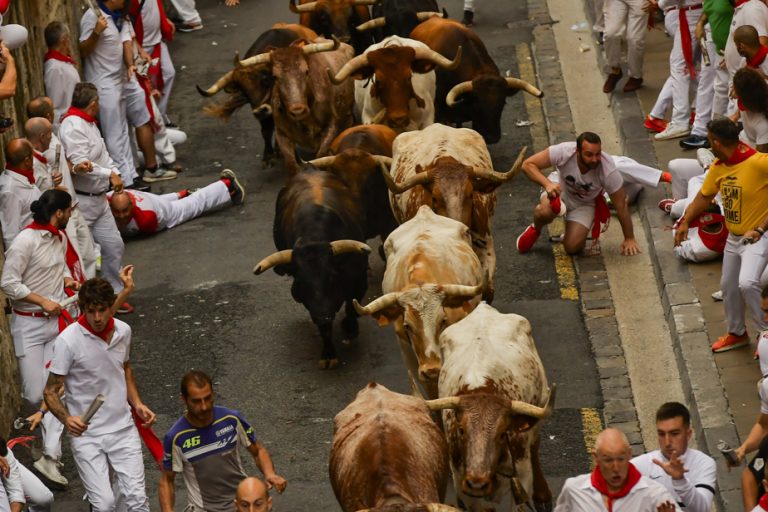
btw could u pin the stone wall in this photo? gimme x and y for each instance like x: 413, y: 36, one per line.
x: 35, y: 15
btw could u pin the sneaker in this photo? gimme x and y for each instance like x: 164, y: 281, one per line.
x: 469, y: 18
x: 717, y: 296
x: 611, y: 81
x: 729, y: 342
x: 673, y: 131
x: 236, y: 189
x: 140, y: 185
x: 655, y: 125
x: 705, y: 157
x: 189, y: 27
x: 694, y: 142
x: 159, y: 174
x: 666, y: 177
x: 527, y: 239
x: 600, y: 38
x: 633, y: 84
x: 665, y: 205
x: 125, y: 309
x: 49, y: 468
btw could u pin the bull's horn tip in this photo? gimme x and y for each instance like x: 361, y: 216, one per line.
x: 257, y: 270
x: 202, y: 91
x: 541, y: 94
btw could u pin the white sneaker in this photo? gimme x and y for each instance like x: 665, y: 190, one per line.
x: 705, y: 157
x: 673, y: 131
x: 160, y: 174
x: 717, y: 296
x: 49, y: 468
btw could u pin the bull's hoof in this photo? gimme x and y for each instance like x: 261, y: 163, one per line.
x: 328, y: 364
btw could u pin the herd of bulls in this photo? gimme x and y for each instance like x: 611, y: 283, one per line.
x: 412, y: 176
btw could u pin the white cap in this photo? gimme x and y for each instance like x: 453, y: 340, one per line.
x: 14, y: 36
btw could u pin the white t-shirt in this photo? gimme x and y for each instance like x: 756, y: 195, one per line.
x: 150, y: 18
x: 578, y: 495
x: 578, y: 187
x: 755, y: 130
x: 82, y: 141
x: 60, y: 80
x: 105, y: 66
x: 696, y: 490
x: 754, y: 13
x: 90, y: 367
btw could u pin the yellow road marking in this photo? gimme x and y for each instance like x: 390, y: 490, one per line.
x: 591, y: 425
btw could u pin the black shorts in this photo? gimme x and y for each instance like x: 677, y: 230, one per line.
x: 757, y: 465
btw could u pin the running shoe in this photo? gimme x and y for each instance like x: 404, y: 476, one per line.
x: 526, y: 240
x: 729, y: 342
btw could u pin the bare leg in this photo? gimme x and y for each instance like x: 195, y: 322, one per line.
x: 542, y: 213
x: 575, y: 237
x: 145, y: 138
x: 748, y: 489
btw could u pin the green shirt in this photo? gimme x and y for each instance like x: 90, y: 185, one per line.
x: 719, y: 14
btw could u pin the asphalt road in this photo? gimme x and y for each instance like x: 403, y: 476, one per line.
x: 199, y: 306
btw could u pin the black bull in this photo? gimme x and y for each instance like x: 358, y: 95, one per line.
x: 319, y: 234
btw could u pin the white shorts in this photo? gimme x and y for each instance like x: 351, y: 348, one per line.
x: 136, y: 108
x: 579, y: 212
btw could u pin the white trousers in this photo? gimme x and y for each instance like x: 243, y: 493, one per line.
x: 682, y: 170
x: 80, y: 235
x: 97, y: 215
x: 206, y: 199
x: 705, y: 91
x: 636, y: 176
x: 33, y: 340
x: 740, y: 282
x: 186, y: 10
x: 469, y: 5
x: 599, y: 25
x: 39, y: 497
x: 721, y: 101
x: 169, y: 75
x: 625, y: 18
x: 121, y: 450
x: 114, y: 128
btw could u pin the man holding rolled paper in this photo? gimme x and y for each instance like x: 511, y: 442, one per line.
x: 92, y: 357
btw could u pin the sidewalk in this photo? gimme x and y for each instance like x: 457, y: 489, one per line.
x: 719, y: 388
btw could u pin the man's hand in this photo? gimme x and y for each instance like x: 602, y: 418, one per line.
x: 131, y: 71
x: 681, y: 233
x: 667, y: 506
x: 146, y: 415
x: 674, y: 468
x: 57, y: 179
x: 35, y: 420
x: 75, y: 426
x: 629, y: 247
x: 650, y: 6
x: 552, y: 190
x: 753, y: 235
x: 126, y: 277
x: 51, y: 308
x: 5, y: 53
x: 699, y: 31
x: 101, y: 25
x: 117, y: 182
x: 71, y: 283
x: 231, y: 3
x: 83, y: 167
x: 5, y: 469
x: 276, y: 481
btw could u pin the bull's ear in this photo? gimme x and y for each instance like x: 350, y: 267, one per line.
x: 458, y: 301
x: 520, y: 423
x: 387, y: 315
x: 485, y: 186
x: 423, y: 66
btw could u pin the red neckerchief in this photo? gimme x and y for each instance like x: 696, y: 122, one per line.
x: 146, y: 86
x: 74, y: 111
x: 56, y: 55
x: 40, y: 158
x: 45, y: 227
x: 27, y: 173
x: 151, y: 441
x: 741, y: 106
x: 758, y: 57
x: 739, y: 3
x: 599, y: 483
x: 763, y: 501
x: 685, y: 39
x: 741, y: 153
x: 134, y: 9
x: 602, y: 216
x: 103, y: 334
x: 155, y: 73
x: 71, y: 256
x: 146, y: 220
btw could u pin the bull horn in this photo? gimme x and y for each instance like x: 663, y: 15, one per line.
x: 345, y: 246
x: 298, y: 9
x: 440, y: 60
x: 421, y: 178
x: 501, y: 177
x: 425, y: 15
x: 347, y: 69
x: 371, y: 24
x: 439, y: 507
x: 449, y: 402
x: 532, y: 410
x: 262, y: 58
x: 219, y: 85
x: 458, y: 90
x: 385, y: 301
x: 415, y: 391
x: 328, y: 46
x: 236, y: 61
x: 262, y: 110
x: 454, y: 290
x: 325, y: 161
x: 516, y: 83
x: 277, y: 258
x: 382, y: 160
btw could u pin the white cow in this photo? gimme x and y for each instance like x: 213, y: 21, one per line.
x: 395, y: 83
x: 433, y: 279
x: 493, y: 392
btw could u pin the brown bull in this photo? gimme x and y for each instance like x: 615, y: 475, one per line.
x: 309, y: 111
x: 388, y: 455
x: 336, y: 18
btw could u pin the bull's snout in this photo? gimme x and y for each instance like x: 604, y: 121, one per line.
x: 477, y: 485
x: 429, y: 371
x: 399, y: 119
x: 298, y: 112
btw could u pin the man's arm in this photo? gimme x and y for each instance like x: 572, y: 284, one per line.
x: 695, y: 208
x: 758, y: 432
x: 144, y: 412
x: 532, y: 167
x: 697, y: 496
x: 13, y: 485
x: 16, y: 261
x: 629, y: 245
x: 126, y: 276
x: 8, y: 83
x: 264, y: 462
x: 54, y: 388
x: 167, y: 491
x: 88, y: 45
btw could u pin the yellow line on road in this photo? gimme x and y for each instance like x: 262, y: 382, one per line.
x: 566, y: 273
x: 591, y: 425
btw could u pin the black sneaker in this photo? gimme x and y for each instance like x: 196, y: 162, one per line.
x: 694, y: 142
x: 469, y: 18
x: 236, y: 189
x: 140, y: 185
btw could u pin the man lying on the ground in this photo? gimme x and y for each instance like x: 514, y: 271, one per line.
x: 144, y: 213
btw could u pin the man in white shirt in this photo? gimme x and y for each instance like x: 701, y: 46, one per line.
x: 39, y: 132
x: 92, y: 356
x: 17, y: 189
x: 190, y: 18
x: 750, y: 12
x: 625, y: 19
x: 94, y: 172
x: 615, y: 484
x: 60, y: 69
x: 35, y: 274
x: 583, y: 173
x: 687, y: 474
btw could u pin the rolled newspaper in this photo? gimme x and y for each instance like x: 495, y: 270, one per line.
x: 69, y: 301
x: 95, y: 405
x: 704, y: 52
x: 92, y: 6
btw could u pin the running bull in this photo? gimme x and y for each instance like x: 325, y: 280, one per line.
x: 336, y: 18
x: 252, y: 85
x: 318, y: 233
x: 399, y: 17
x: 475, y: 91
x: 494, y: 394
x: 450, y: 170
x: 388, y: 455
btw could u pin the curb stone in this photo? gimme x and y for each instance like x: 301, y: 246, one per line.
x: 710, y: 413
x: 595, y: 296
